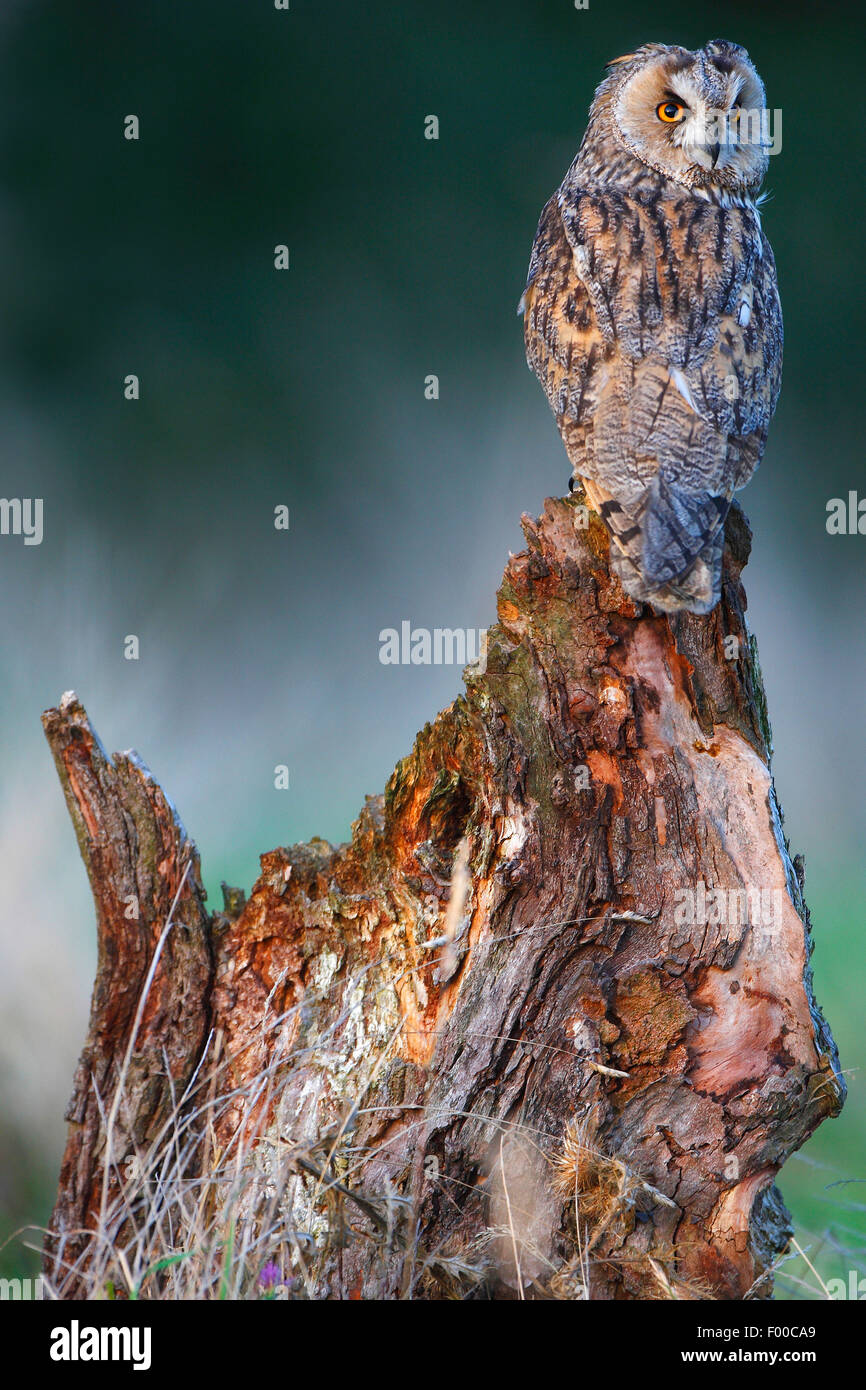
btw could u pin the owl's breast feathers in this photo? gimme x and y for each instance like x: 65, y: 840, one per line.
x: 654, y: 326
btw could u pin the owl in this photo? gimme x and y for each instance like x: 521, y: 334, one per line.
x: 652, y: 316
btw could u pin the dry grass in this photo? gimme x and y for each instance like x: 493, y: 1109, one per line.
x: 606, y: 1192
x: 275, y: 1211
x: 269, y: 1214
x: 272, y: 1215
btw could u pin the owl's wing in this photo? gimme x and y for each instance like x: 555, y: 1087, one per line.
x: 688, y: 284
x: 664, y: 335
x: 564, y: 346
x: 737, y: 383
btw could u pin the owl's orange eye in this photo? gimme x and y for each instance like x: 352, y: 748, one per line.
x: 670, y: 111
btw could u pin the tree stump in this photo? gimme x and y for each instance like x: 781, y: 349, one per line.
x: 543, y: 1029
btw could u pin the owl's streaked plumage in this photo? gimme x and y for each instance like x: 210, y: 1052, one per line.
x: 652, y: 316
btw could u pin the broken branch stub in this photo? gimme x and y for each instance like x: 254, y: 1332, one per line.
x: 148, y: 1017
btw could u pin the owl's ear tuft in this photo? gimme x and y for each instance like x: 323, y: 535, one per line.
x: 723, y: 48
x: 648, y: 50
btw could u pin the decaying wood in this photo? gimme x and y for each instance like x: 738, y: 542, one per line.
x: 144, y: 874
x: 491, y: 1036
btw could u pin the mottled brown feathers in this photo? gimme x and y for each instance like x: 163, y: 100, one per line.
x: 652, y: 321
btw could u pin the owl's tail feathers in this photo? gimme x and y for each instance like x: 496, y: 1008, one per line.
x: 671, y: 555
x: 697, y: 589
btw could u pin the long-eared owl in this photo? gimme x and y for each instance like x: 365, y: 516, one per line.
x: 652, y: 315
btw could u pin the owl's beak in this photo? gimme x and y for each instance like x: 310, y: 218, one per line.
x: 711, y: 152
x: 712, y: 139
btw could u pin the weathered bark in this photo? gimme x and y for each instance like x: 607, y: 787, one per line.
x: 144, y: 874
x: 529, y: 1077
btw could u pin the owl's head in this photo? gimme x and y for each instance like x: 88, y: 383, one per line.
x: 692, y: 115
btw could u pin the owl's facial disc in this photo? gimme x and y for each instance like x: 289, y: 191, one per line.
x: 695, y: 117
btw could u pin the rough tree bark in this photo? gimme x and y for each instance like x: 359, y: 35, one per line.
x: 501, y: 1041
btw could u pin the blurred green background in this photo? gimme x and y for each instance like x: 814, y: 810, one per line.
x: 408, y: 257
